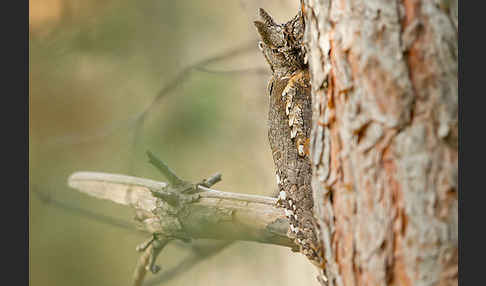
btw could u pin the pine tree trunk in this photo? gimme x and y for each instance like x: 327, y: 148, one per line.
x: 384, y: 145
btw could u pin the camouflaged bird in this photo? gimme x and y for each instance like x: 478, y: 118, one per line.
x: 289, y: 121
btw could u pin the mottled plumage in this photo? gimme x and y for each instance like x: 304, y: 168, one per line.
x: 289, y: 124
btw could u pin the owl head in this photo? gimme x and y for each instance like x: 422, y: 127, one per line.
x: 281, y: 44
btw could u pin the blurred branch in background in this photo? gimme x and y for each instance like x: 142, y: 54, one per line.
x: 48, y: 200
x: 189, y: 262
x: 137, y: 120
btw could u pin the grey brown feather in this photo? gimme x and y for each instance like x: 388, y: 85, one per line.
x: 289, y: 123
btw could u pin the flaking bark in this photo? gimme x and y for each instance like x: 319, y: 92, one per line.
x: 384, y: 139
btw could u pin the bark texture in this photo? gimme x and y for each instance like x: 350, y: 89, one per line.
x: 384, y: 139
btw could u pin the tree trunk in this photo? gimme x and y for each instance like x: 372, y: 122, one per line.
x: 384, y: 143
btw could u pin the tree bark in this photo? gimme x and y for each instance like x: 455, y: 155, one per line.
x: 384, y: 142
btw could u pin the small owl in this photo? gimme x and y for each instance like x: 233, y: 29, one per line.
x: 289, y: 124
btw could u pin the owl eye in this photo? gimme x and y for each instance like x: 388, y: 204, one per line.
x: 260, y: 46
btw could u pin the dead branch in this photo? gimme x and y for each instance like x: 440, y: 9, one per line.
x: 184, y: 211
x: 146, y: 262
x: 209, y: 213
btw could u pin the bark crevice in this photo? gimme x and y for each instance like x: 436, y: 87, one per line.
x: 389, y: 115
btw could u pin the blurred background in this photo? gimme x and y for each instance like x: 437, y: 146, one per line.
x: 112, y: 79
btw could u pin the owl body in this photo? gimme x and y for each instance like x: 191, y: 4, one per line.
x: 289, y: 125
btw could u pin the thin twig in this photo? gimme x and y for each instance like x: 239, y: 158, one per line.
x: 141, y: 267
x: 211, y: 180
x: 211, y: 193
x: 188, y: 262
x: 146, y: 261
x: 164, y: 169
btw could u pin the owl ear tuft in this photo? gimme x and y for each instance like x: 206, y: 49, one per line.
x: 271, y: 35
x: 263, y: 31
x: 266, y: 17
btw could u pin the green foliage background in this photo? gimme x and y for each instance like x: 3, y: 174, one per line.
x: 95, y: 66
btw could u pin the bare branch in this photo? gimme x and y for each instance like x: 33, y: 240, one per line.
x: 169, y: 213
x: 141, y: 268
x: 164, y: 169
x: 211, y: 180
x: 146, y: 262
x: 213, y: 214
